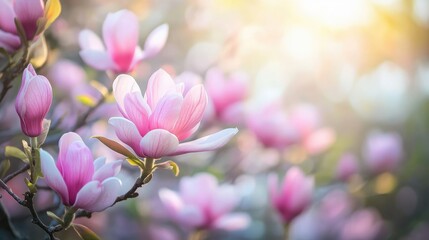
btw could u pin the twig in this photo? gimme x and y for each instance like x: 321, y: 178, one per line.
x: 14, y: 174
x: 10, y: 192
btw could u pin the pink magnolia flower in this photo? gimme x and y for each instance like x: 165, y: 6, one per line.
x: 33, y: 101
x: 383, y: 152
x: 66, y: 75
x: 272, y: 127
x: 80, y: 181
x: 364, y: 224
x: 294, y: 195
x: 347, y: 167
x: 202, y: 204
x: 27, y: 12
x: 227, y: 94
x: 154, y: 125
x: 120, y: 52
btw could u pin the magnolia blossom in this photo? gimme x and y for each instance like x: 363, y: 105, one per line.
x: 294, y: 195
x: 120, y: 52
x: 364, y: 224
x: 33, y: 101
x: 66, y: 75
x: 272, y: 127
x: 347, y: 167
x: 383, y: 151
x: 28, y: 13
x: 227, y: 94
x: 276, y: 128
x: 80, y: 181
x: 154, y: 125
x: 202, y: 204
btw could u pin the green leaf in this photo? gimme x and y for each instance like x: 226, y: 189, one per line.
x: 42, y: 137
x: 4, y: 167
x: 85, y: 233
x: 115, y: 146
x: 15, y: 153
x: 54, y: 216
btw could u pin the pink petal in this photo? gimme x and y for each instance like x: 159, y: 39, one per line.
x: 52, y: 176
x: 158, y: 143
x: 138, y: 56
x: 155, y: 41
x: 10, y: 42
x: 158, y: 85
x: 6, y: 17
x: 88, y: 195
x: 88, y: 40
x: 207, y: 143
x: 99, y: 162
x: 65, y: 141
x: 224, y: 200
x: 191, y: 216
x: 122, y: 86
x: 76, y: 166
x: 28, y: 12
x: 96, y: 59
x: 319, y: 140
x: 110, y: 189
x: 198, y: 190
x: 171, y: 201
x: 120, y: 33
x: 107, y: 170
x: 232, y: 222
x: 192, y: 110
x: 127, y: 132
x: 137, y: 110
x: 166, y: 112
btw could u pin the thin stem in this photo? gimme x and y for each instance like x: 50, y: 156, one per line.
x: 286, y: 230
x: 16, y: 173
x: 143, y: 179
x: 10, y: 192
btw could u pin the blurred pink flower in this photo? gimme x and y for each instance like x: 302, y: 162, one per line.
x: 120, y: 52
x: 66, y: 75
x: 363, y: 224
x: 154, y: 125
x: 27, y: 12
x: 294, y: 195
x: 383, y: 152
x: 272, y: 127
x: 33, y: 101
x: 227, y: 94
x: 77, y: 178
x: 189, y: 79
x: 202, y: 204
x: 307, y: 120
x: 347, y: 167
